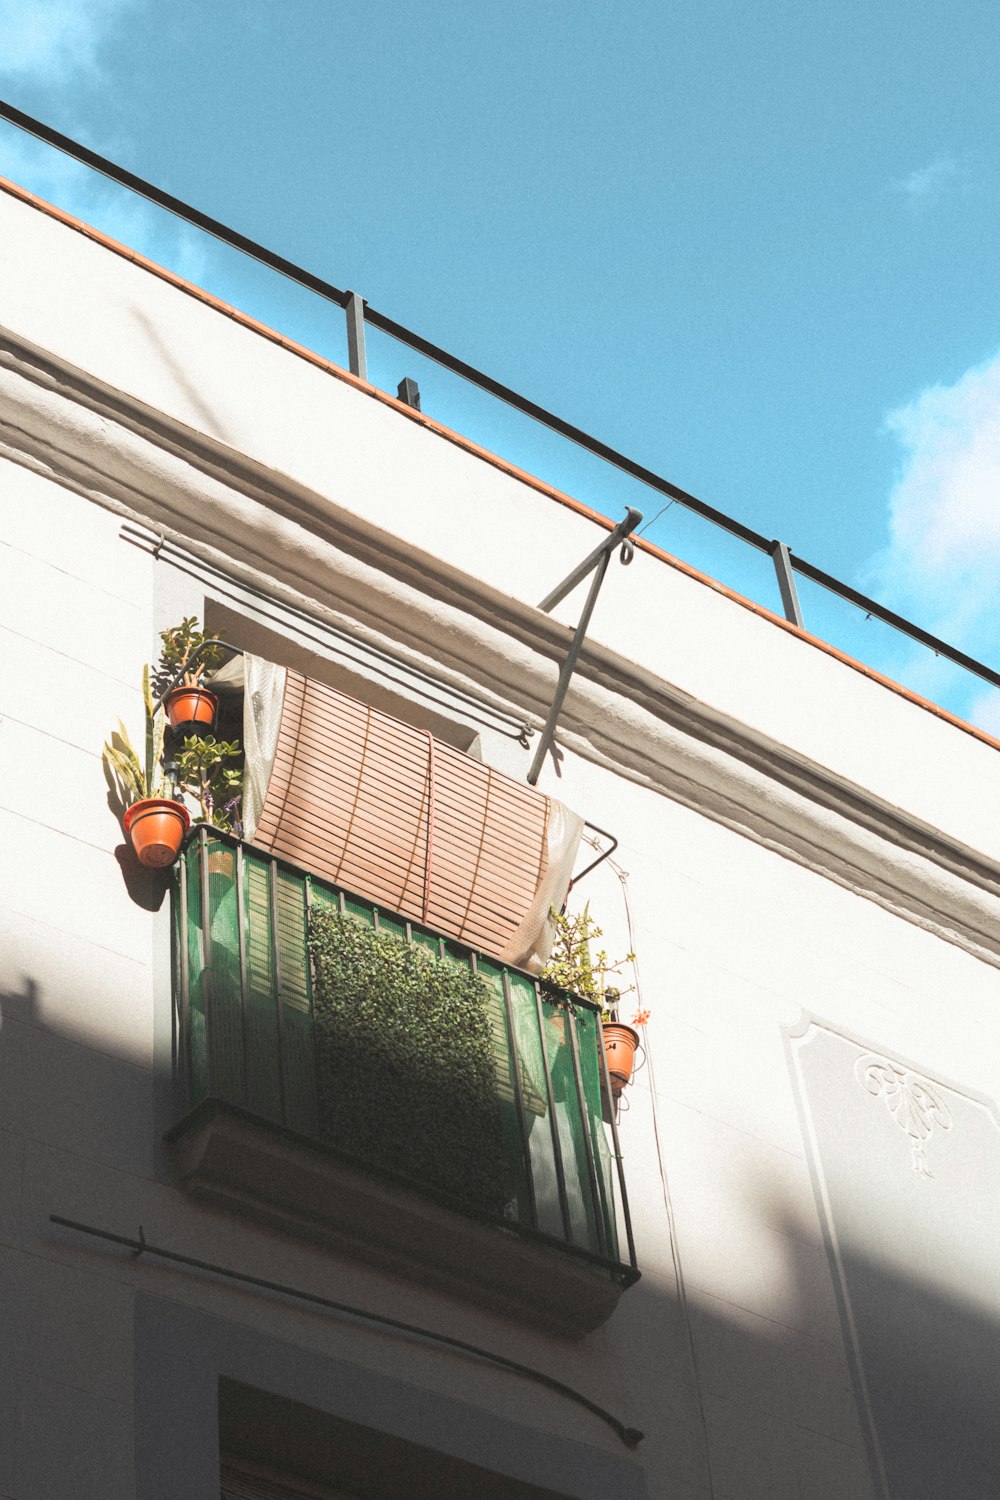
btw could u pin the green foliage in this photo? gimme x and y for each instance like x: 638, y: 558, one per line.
x: 203, y: 766
x: 405, y: 1062
x: 179, y: 645
x: 573, y: 966
x: 135, y: 778
x: 201, y: 769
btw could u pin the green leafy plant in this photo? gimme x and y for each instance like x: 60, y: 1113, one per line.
x: 203, y: 768
x: 179, y: 645
x: 574, y: 966
x: 406, y: 1070
x: 138, y: 777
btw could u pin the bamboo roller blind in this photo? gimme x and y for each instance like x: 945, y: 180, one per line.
x: 388, y: 812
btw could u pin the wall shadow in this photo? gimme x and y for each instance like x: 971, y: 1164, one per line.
x: 927, y: 1376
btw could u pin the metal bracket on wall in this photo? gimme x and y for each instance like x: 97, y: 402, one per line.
x: 602, y: 856
x: 597, y: 563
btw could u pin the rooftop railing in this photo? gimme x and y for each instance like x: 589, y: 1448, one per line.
x: 254, y: 1034
x: 777, y: 587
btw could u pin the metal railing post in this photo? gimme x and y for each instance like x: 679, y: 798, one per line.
x: 553, y: 1123
x: 240, y: 875
x: 279, y: 1004
x: 782, y: 560
x: 588, y: 1145
x: 515, y: 1067
x: 310, y: 979
x: 357, y: 360
x: 206, y: 952
x: 184, y: 981
x: 616, y: 1143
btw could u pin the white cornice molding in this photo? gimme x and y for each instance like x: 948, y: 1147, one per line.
x: 276, y: 535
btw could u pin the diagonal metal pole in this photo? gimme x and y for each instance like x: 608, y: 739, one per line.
x: 621, y: 531
x: 569, y: 665
x: 598, y: 560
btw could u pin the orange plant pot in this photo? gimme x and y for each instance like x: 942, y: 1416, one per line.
x: 620, y: 1042
x: 156, y: 829
x: 191, y: 709
x: 557, y: 1025
x: 222, y: 862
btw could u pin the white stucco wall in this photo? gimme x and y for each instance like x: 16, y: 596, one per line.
x: 736, y: 938
x: 140, y: 335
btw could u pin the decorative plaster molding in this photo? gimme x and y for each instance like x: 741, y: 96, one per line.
x: 278, y: 536
x: 913, y: 1103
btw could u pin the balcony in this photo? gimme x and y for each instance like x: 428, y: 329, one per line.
x: 290, y: 1121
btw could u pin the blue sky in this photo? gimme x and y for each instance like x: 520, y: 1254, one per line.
x: 755, y: 247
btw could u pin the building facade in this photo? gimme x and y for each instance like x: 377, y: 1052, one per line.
x: 806, y: 870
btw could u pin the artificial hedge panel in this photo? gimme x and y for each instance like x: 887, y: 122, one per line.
x: 406, y: 1072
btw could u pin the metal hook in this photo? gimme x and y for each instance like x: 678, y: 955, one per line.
x: 626, y: 554
x: 142, y: 1244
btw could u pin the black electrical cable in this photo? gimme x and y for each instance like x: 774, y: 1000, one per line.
x: 630, y: 1436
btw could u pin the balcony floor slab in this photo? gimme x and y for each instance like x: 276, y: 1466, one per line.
x: 252, y: 1166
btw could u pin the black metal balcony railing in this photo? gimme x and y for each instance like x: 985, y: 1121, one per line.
x: 248, y: 1038
x: 752, y: 545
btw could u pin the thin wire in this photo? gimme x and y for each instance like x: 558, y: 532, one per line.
x: 659, y: 513
x: 630, y: 1436
x: 667, y: 1197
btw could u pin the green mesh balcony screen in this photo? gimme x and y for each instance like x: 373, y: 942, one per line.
x: 503, y: 1071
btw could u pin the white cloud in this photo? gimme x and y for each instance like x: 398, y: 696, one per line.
x: 928, y: 184
x: 116, y: 211
x: 57, y: 43
x: 945, y: 506
x: 984, y: 711
x: 53, y: 41
x: 942, y: 565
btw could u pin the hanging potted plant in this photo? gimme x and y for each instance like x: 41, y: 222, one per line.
x: 204, y: 769
x: 574, y: 966
x: 185, y: 656
x: 154, y: 822
x: 620, y: 1044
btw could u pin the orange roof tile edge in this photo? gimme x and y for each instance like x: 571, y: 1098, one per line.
x: 300, y: 350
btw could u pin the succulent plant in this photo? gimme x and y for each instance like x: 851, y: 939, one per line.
x: 179, y: 645
x: 574, y: 966
x: 202, y: 769
x: 138, y: 777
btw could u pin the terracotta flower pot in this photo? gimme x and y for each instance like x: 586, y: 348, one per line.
x: 156, y: 829
x: 221, y: 862
x: 190, y: 710
x: 620, y: 1042
x: 557, y: 1025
